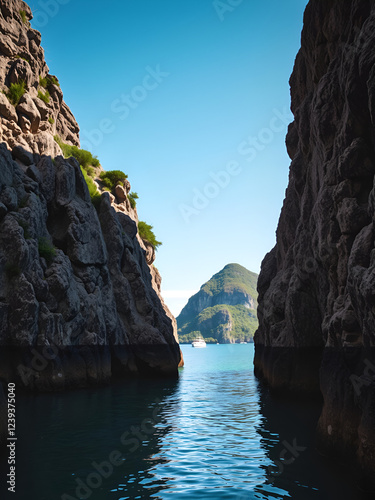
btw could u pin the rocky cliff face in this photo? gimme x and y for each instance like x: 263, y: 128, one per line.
x: 33, y: 121
x: 79, y: 296
x: 316, y: 289
x: 204, y: 299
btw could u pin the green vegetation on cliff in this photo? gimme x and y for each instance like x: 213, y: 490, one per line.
x: 146, y: 233
x: 24, y: 18
x: 15, y: 92
x: 85, y: 158
x: 45, y: 97
x: 48, y: 81
x: 86, y: 161
x: 233, y: 276
x: 133, y: 197
x: 111, y: 178
x: 221, y: 323
x: 224, y: 310
x: 93, y: 190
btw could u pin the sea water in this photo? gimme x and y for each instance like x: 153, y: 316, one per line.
x: 215, y: 433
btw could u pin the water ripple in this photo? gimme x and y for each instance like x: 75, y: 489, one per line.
x: 213, y: 434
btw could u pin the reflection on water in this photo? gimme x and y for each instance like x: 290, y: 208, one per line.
x: 61, y: 436
x: 288, y: 439
x: 213, y: 434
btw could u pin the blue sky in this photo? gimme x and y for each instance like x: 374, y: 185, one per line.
x: 191, y: 100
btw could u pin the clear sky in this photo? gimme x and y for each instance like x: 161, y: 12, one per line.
x: 191, y: 99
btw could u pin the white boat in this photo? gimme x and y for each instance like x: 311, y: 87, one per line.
x: 199, y: 343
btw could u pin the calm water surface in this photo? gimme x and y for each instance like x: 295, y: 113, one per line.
x: 213, y: 434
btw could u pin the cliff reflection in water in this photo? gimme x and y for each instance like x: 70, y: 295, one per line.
x: 287, y: 433
x: 216, y: 433
x: 69, y: 432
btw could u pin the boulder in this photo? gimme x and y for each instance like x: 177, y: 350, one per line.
x: 21, y: 70
x: 120, y: 194
x: 21, y: 154
x: 7, y: 110
x: 27, y: 109
x: 25, y: 123
x: 42, y: 108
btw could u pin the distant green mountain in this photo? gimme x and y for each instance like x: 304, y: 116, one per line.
x: 224, y: 309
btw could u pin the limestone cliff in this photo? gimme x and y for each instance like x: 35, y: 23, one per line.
x: 79, y: 296
x: 40, y: 113
x: 224, y: 308
x: 316, y: 288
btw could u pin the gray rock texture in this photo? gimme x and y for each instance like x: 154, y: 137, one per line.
x: 80, y: 298
x: 317, y: 286
x: 32, y: 123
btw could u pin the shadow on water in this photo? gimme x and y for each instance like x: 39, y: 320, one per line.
x: 298, y: 471
x: 102, y: 438
x: 216, y: 433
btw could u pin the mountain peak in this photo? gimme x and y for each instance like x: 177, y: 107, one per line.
x: 233, y: 277
x: 224, y: 308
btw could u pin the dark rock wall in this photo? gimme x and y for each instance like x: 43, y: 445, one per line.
x: 79, y: 297
x: 317, y: 286
x: 73, y: 281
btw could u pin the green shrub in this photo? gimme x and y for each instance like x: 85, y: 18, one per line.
x: 12, y: 270
x: 58, y: 140
x: 51, y: 120
x: 93, y: 190
x: 22, y: 57
x: 95, y: 162
x: 146, y: 233
x: 24, y: 17
x: 112, y: 178
x: 90, y: 171
x: 46, y: 249
x: 48, y: 81
x: 15, y: 92
x: 85, y: 158
x: 44, y: 97
x: 132, y: 197
x: 52, y: 80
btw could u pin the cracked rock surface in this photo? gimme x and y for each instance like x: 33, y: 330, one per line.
x: 317, y: 286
